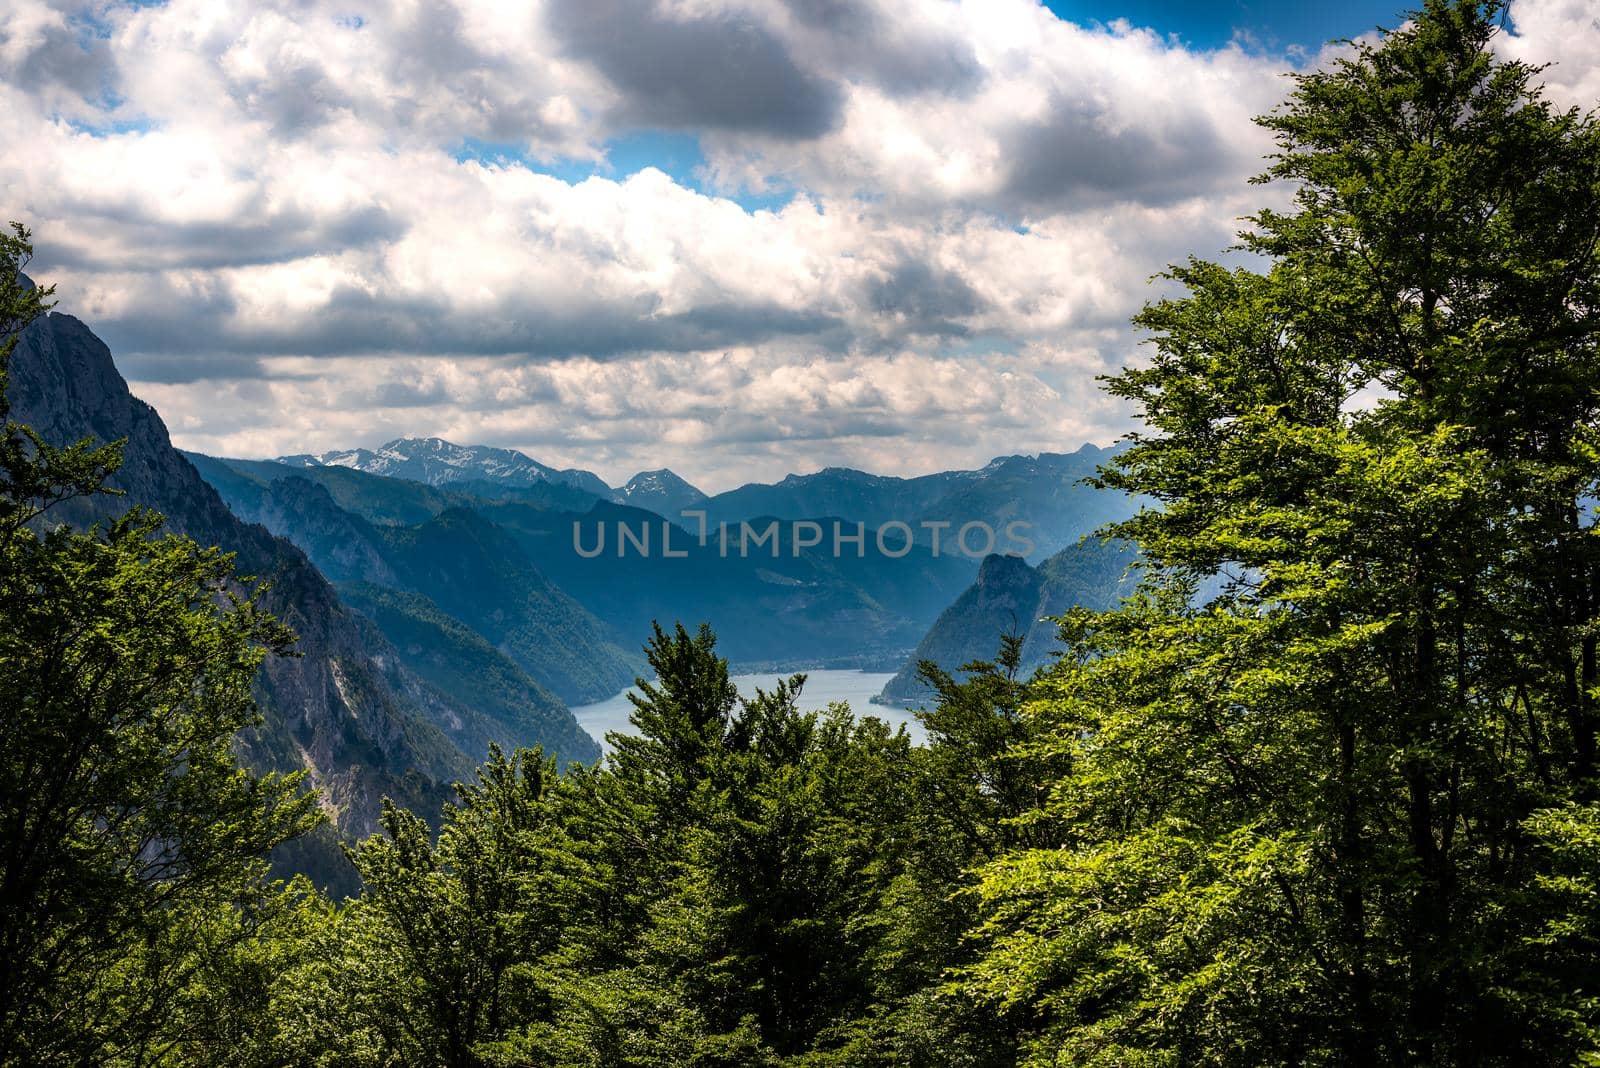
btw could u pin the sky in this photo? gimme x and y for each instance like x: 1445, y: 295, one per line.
x: 739, y: 238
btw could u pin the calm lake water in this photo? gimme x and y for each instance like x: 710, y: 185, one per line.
x: 822, y: 688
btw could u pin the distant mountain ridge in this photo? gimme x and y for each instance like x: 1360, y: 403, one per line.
x: 440, y: 463
x: 510, y: 567
x: 437, y: 462
x: 786, y: 602
x: 1043, y: 494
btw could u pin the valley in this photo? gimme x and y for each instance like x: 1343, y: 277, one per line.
x: 447, y: 597
x: 816, y: 571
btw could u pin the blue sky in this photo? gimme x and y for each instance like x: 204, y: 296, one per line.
x: 675, y: 153
x: 1277, y: 25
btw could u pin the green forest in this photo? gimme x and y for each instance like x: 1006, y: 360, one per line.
x: 1323, y: 790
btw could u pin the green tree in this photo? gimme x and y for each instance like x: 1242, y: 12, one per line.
x: 1308, y: 820
x: 126, y: 662
x: 722, y: 864
x: 444, y: 954
x: 627, y: 822
x: 681, y: 720
x: 960, y: 803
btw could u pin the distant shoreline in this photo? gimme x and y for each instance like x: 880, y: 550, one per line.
x: 869, y: 662
x: 825, y: 686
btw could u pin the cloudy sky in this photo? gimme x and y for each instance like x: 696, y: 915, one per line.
x: 736, y: 237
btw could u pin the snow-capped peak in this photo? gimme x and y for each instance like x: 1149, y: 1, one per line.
x: 437, y: 461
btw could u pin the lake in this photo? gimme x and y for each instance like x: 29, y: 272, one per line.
x: 822, y: 688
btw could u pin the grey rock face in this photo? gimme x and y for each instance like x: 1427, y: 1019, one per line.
x: 343, y: 710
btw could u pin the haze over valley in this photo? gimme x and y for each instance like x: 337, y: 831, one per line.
x: 457, y: 577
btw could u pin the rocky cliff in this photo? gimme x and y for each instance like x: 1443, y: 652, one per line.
x: 1011, y: 597
x: 345, y: 709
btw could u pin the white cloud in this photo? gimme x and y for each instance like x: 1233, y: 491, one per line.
x: 729, y: 416
x: 267, y: 210
x: 1566, y: 35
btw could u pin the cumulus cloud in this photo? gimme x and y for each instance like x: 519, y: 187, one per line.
x: 1564, y: 34
x: 713, y: 70
x: 771, y: 410
x: 55, y: 53
x: 1063, y: 119
x: 867, y: 41
x: 278, y: 214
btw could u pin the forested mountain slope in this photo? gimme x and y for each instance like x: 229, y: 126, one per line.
x: 775, y: 604
x: 455, y: 560
x: 1012, y: 597
x: 346, y: 709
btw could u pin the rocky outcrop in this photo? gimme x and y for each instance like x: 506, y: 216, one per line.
x: 344, y: 709
x: 1011, y: 597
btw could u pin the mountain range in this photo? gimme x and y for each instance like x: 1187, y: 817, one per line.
x: 1045, y: 493
x: 449, y: 596
x: 480, y: 556
x: 499, y: 516
x: 436, y: 462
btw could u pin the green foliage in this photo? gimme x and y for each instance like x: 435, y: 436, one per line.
x: 1310, y: 819
x: 476, y: 572
x: 722, y: 822
x: 445, y: 946
x: 737, y: 884
x: 1323, y: 791
x: 455, y: 659
x: 131, y: 844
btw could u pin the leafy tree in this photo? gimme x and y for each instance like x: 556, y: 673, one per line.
x: 125, y: 669
x: 724, y: 859
x: 626, y: 824
x: 673, y: 984
x: 681, y: 720
x: 960, y: 807
x: 757, y: 925
x: 443, y: 954
x: 251, y: 994
x: 1304, y: 820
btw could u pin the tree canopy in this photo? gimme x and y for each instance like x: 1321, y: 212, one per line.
x: 1322, y: 791
x: 131, y: 843
x: 1310, y: 819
